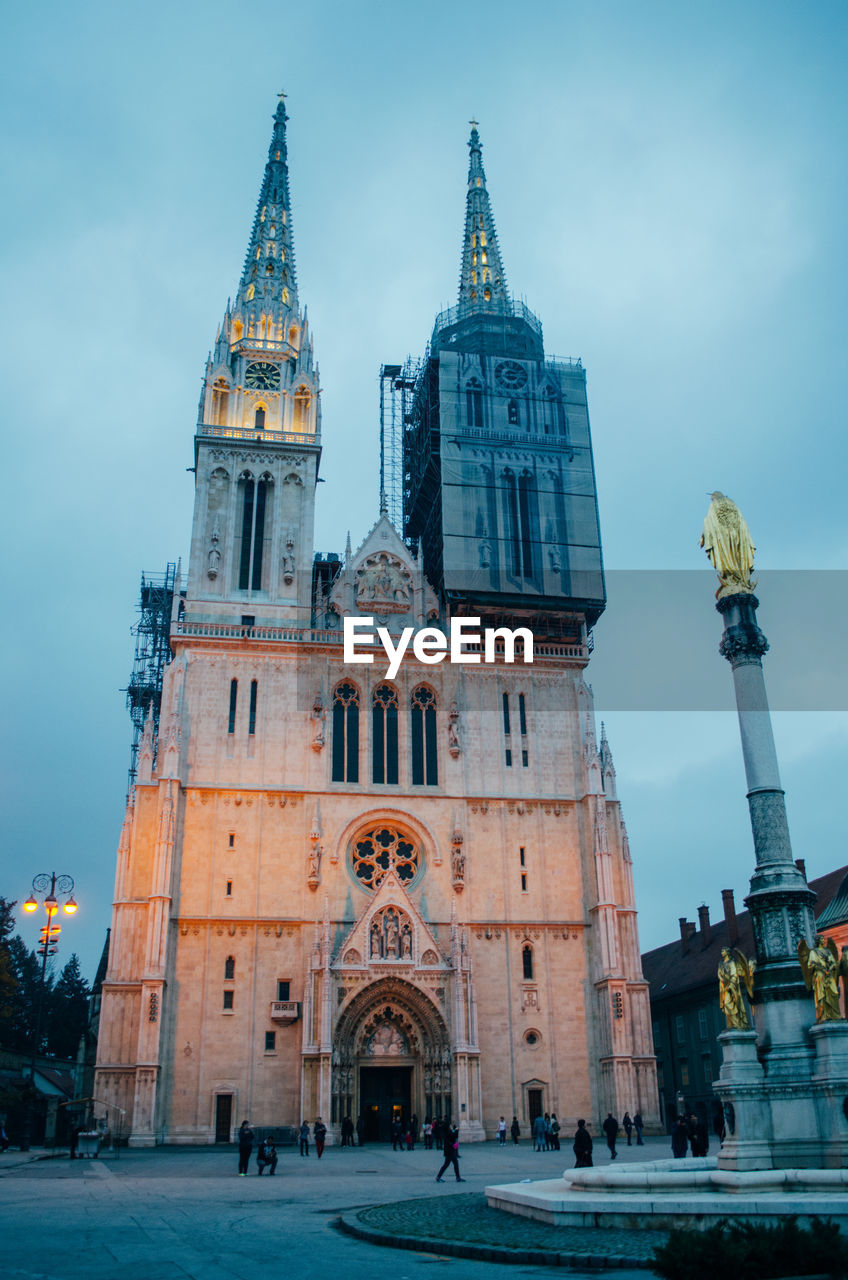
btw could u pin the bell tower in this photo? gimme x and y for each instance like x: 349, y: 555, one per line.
x: 258, y: 440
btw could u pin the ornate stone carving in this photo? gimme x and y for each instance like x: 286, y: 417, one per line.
x: 390, y: 935
x: 383, y: 585
x: 387, y: 1042
x: 453, y: 730
x: 319, y: 716
x: 429, y: 957
x: 457, y: 857
x: 213, y: 556
x: 352, y: 956
x: 288, y: 564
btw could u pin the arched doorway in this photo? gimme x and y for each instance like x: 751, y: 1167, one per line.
x: 392, y: 1058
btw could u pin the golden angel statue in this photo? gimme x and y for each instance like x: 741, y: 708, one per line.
x: 727, y: 541
x: 820, y: 967
x: 735, y: 971
x: 843, y: 973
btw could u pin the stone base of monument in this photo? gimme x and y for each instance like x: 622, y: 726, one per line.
x: 673, y: 1193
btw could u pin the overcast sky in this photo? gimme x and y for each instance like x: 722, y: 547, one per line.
x: 669, y: 186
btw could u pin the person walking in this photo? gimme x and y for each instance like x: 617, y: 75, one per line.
x: 428, y: 1134
x: 539, y: 1133
x: 319, y: 1133
x: 360, y: 1130
x: 555, y: 1126
x: 413, y: 1130
x: 583, y: 1146
x: 502, y: 1132
x: 700, y: 1140
x: 680, y: 1139
x: 548, y: 1137
x: 347, y: 1132
x: 451, y: 1150
x: 304, y: 1139
x: 245, y: 1146
x: 515, y: 1130
x: 266, y: 1155
x: 611, y: 1130
x: 637, y: 1125
x: 627, y: 1126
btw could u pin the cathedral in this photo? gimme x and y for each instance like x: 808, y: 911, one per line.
x: 339, y: 894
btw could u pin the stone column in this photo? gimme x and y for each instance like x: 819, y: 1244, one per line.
x: 780, y: 902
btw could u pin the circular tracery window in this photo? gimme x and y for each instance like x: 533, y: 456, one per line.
x: 381, y: 849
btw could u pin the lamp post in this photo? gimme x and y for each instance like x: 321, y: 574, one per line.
x: 46, y: 886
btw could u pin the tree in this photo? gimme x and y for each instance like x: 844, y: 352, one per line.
x: 8, y: 981
x: 66, y: 1012
x: 26, y: 972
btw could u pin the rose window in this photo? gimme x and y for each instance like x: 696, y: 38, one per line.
x: 380, y: 850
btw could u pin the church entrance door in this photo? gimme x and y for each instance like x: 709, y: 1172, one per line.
x: 385, y: 1093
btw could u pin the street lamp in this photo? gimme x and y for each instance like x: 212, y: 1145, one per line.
x: 48, y: 886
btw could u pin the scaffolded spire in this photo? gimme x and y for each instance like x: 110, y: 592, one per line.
x: 482, y: 283
x: 268, y: 281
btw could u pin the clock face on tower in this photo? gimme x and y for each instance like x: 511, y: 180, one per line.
x: 262, y: 376
x: 510, y: 375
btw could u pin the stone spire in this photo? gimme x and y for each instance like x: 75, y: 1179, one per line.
x: 482, y: 283
x: 268, y: 281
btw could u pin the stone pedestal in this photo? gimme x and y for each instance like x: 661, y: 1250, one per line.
x: 740, y: 1090
x: 830, y: 1087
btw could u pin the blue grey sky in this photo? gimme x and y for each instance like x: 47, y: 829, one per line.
x: 669, y: 185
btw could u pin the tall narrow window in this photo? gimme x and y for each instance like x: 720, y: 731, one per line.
x: 231, y: 727
x: 346, y: 733
x: 252, y: 717
x: 229, y: 969
x: 424, y: 754
x: 259, y: 418
x: 505, y: 698
x: 384, y: 734
x: 228, y: 999
x: 522, y: 715
x: 474, y: 402
x: 512, y: 413
x: 284, y: 989
x: 527, y: 961
x: 301, y: 409
x: 511, y: 526
x: 527, y: 516
x: 252, y: 532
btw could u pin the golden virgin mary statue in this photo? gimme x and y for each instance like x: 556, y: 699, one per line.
x: 727, y: 541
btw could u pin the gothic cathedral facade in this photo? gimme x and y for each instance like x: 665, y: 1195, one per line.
x: 343, y: 895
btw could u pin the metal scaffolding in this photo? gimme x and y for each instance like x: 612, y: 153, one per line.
x: 397, y: 384
x: 152, y: 654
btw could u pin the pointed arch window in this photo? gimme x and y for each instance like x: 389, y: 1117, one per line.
x: 229, y: 969
x: 253, y: 504
x: 346, y: 733
x: 302, y: 400
x: 259, y: 418
x: 528, y: 520
x: 474, y: 402
x: 384, y: 734
x: 527, y: 961
x: 511, y: 527
x: 231, y: 719
x: 425, y: 771
x: 220, y: 401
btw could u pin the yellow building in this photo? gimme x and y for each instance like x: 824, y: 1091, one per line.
x: 343, y: 894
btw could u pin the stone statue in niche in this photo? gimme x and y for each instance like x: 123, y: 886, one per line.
x: 458, y: 867
x: 453, y: 730
x: 392, y: 932
x: 406, y: 941
x: 376, y: 940
x: 318, y: 718
x: 555, y: 559
x: 383, y: 585
x: 288, y: 563
x: 485, y: 550
x: 313, y: 866
x: 214, y: 554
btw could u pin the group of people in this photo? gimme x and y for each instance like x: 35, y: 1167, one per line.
x: 690, y: 1133
x: 514, y: 1129
x: 583, y: 1144
x: 546, y: 1132
x: 266, y: 1152
x: 319, y: 1135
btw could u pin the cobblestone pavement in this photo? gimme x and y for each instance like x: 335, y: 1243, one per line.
x: 468, y: 1218
x: 177, y: 1213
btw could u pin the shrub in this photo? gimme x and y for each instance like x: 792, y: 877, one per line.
x: 753, y: 1251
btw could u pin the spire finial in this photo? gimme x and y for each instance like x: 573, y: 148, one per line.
x: 482, y: 283
x: 268, y: 285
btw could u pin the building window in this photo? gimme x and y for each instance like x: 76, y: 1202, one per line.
x: 232, y: 840
x: 270, y: 1041
x: 228, y: 999
x: 229, y: 969
x: 259, y: 418
x: 511, y: 526
x: 527, y: 961
x: 302, y: 400
x: 384, y: 734
x: 512, y: 413
x: 528, y: 521
x: 474, y: 403
x: 252, y: 533
x: 284, y: 990
x: 524, y: 882
x: 508, y: 758
x: 522, y: 856
x: 251, y: 728
x: 233, y: 700
x: 680, y: 1029
x: 707, y: 1068
x: 522, y: 715
x: 423, y: 723
x: 684, y: 1072
x: 382, y: 849
x: 703, y: 1029
x: 525, y: 758
x: 505, y: 698
x: 346, y: 733
x: 229, y: 888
